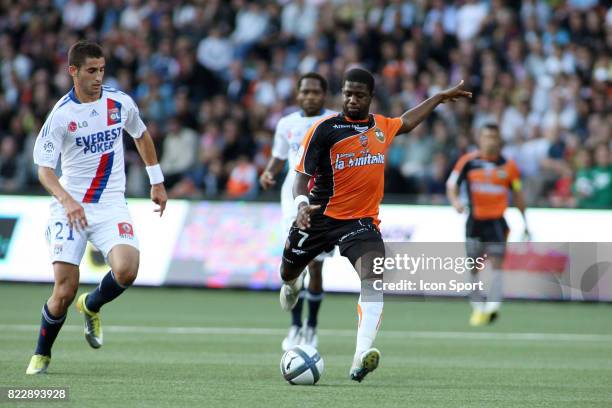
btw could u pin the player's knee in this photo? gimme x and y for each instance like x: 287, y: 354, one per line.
x: 126, y: 275
x: 288, y: 273
x: 126, y: 272
x: 124, y: 260
x: 65, y: 293
x: 284, y: 274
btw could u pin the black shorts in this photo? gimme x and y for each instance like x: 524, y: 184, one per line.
x: 354, y: 238
x: 486, y: 236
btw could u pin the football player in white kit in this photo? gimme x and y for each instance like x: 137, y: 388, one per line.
x: 290, y: 131
x: 86, y: 128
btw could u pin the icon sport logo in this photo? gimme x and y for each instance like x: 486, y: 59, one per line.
x: 113, y: 111
x: 126, y: 230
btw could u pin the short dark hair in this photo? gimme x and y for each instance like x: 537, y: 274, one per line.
x: 312, y: 75
x: 359, y: 75
x: 82, y: 50
x: 491, y: 126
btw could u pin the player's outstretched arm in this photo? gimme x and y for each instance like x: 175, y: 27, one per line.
x: 74, y: 211
x: 268, y: 176
x: 146, y: 149
x: 416, y: 115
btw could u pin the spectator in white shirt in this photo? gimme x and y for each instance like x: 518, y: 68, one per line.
x: 79, y: 14
x: 470, y: 18
x: 251, y: 24
x: 215, y: 52
x: 299, y: 19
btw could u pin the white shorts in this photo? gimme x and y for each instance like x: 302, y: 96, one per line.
x: 109, y: 224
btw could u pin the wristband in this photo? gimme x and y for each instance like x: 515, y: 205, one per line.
x: 300, y: 199
x: 155, y: 174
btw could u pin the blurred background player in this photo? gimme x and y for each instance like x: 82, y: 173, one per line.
x: 86, y: 128
x: 290, y: 132
x: 489, y: 178
x: 346, y: 154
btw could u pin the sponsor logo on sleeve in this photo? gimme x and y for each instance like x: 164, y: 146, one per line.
x: 48, y: 147
x: 113, y: 110
x: 380, y: 135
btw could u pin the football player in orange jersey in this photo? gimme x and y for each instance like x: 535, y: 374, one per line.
x: 346, y: 154
x: 489, y: 179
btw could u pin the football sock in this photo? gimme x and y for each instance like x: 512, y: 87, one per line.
x: 296, y: 312
x: 496, y: 288
x: 49, y: 328
x: 314, y: 302
x: 476, y: 296
x: 107, y: 290
x: 370, y: 316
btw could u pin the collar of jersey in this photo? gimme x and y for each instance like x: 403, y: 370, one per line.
x: 346, y: 118
x: 72, y: 95
x: 488, y: 158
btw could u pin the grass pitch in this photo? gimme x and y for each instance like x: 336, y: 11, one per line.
x: 184, y: 347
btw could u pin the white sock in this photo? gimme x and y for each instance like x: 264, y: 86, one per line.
x: 477, y: 298
x: 496, y: 290
x: 478, y: 306
x: 370, y: 316
x: 491, y: 307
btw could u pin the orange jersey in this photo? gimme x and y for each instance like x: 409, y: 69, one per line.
x: 489, y: 182
x: 347, y: 159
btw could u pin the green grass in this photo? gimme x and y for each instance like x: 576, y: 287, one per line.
x: 431, y: 358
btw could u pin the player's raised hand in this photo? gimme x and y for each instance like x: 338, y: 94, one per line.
x: 452, y: 94
x: 159, y: 197
x: 75, y: 214
x: 266, y: 180
x: 303, y: 216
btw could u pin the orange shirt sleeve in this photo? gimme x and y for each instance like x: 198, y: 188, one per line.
x: 458, y: 174
x: 389, y: 126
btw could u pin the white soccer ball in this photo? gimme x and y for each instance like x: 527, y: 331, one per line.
x: 302, y: 365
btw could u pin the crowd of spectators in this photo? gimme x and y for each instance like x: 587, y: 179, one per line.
x: 212, y: 78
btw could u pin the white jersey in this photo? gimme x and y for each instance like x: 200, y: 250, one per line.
x: 89, y: 138
x: 290, y: 132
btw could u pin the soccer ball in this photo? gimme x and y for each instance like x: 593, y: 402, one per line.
x: 302, y: 365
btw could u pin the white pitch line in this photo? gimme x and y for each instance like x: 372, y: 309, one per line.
x: 260, y: 331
